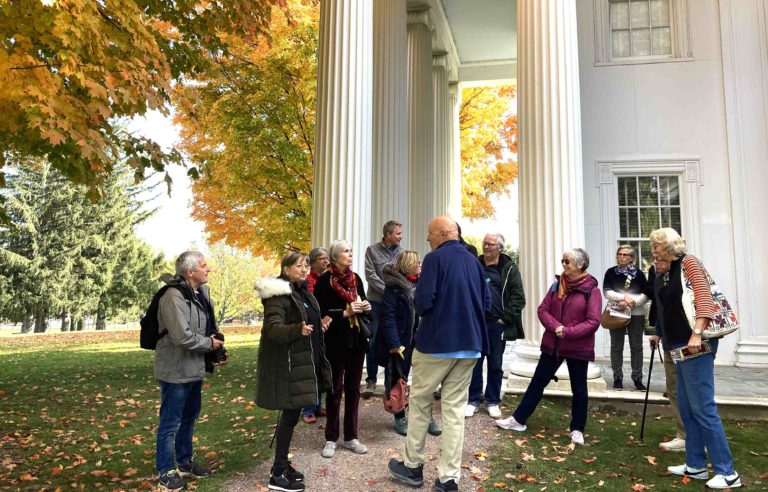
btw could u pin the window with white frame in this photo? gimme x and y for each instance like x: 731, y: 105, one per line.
x: 641, y: 31
x: 646, y: 203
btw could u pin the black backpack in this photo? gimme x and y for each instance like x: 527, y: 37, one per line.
x: 150, y: 328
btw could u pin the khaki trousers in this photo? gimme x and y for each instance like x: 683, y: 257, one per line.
x: 671, y: 383
x: 428, y: 373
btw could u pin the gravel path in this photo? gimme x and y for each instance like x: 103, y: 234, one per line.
x: 347, y: 471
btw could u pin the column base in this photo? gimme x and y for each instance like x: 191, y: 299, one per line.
x: 752, y: 353
x: 520, y: 363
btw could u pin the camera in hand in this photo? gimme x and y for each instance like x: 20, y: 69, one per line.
x: 220, y: 354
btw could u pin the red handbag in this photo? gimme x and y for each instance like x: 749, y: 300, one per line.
x: 396, y: 396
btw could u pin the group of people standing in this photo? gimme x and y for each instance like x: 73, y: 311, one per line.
x: 438, y: 320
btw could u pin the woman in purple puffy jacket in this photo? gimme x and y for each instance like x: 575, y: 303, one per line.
x: 570, y: 313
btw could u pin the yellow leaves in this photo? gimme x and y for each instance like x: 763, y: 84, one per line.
x: 651, y: 459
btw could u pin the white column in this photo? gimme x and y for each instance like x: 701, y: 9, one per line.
x: 420, y: 128
x: 342, y: 192
x: 454, y: 201
x: 390, y: 191
x: 551, y: 201
x: 442, y: 129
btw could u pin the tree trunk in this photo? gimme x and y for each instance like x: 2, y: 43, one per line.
x: 41, y: 323
x: 101, y: 316
x: 80, y: 324
x: 64, y: 321
x: 26, y: 324
x: 72, y: 323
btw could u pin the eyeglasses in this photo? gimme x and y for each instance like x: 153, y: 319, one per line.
x: 565, y: 261
x: 625, y: 254
x: 489, y: 245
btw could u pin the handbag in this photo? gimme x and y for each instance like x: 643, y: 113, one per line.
x: 364, y: 322
x: 724, y: 321
x: 614, y: 318
x: 396, y: 396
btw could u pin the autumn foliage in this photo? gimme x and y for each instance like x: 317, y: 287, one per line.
x: 71, y: 69
x: 488, y: 129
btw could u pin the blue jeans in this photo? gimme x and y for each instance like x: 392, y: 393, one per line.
x: 703, y: 428
x: 495, y: 373
x: 179, y: 408
x: 545, y: 370
x: 371, y: 363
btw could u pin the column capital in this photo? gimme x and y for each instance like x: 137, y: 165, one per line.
x: 419, y: 16
x: 440, y: 59
x: 453, y: 88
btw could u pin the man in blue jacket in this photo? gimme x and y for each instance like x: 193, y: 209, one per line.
x: 451, y: 298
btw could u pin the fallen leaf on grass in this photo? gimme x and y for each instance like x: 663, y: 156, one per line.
x: 589, y: 460
x: 131, y: 472
x: 686, y: 479
x: 27, y: 477
x: 639, y: 486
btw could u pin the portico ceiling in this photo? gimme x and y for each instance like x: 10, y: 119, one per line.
x: 479, y: 35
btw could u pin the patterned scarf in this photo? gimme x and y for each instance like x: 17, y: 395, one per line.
x: 568, y: 284
x: 344, y: 283
x: 631, y: 270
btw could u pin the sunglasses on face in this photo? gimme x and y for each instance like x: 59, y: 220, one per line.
x: 565, y: 261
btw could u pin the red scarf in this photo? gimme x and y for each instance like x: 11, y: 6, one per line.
x: 344, y: 283
x: 412, y: 278
x: 566, y: 284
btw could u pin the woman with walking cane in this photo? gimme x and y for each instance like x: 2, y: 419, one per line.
x: 705, y: 436
x: 292, y: 367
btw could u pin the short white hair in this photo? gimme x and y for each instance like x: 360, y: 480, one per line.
x: 337, y: 247
x: 499, y: 239
x: 186, y: 261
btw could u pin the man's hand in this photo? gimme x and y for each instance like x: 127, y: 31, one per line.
x: 216, y: 343
x: 306, y: 329
x: 654, y: 341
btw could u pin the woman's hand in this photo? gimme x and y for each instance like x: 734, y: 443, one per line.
x: 694, y: 343
x: 629, y: 302
x: 366, y: 306
x: 306, y: 329
x: 559, y: 332
x: 654, y: 341
x: 326, y: 322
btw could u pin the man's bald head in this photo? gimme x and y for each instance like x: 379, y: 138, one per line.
x: 442, y: 229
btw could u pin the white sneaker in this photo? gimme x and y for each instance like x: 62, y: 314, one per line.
x: 355, y: 446
x: 470, y: 410
x: 686, y: 471
x: 329, y: 450
x: 675, y: 444
x: 493, y: 411
x: 725, y: 482
x: 577, y: 437
x: 510, y: 423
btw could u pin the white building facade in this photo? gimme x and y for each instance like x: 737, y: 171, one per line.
x: 632, y: 114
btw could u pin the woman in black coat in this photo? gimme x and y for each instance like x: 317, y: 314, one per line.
x: 292, y: 366
x: 398, y: 324
x: 341, y: 296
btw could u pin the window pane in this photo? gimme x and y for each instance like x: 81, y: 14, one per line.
x: 619, y: 15
x: 641, y: 42
x: 644, y: 256
x: 676, y: 222
x: 649, y: 221
x: 649, y: 190
x: 620, y: 44
x: 660, y: 12
x: 633, y: 228
x: 668, y: 190
x: 627, y: 191
x: 638, y: 14
x: 662, y: 41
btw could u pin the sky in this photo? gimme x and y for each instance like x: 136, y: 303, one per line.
x: 172, y: 229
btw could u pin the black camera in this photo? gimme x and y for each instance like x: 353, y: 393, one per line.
x: 220, y: 354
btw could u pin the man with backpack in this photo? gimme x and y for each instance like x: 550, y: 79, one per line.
x: 186, y: 333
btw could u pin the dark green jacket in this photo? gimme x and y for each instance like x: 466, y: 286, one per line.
x: 513, y: 302
x: 288, y: 375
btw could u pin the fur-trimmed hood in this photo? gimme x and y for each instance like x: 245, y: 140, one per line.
x: 393, y: 278
x: 272, y: 287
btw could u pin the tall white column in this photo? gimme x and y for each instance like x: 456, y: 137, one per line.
x: 551, y: 201
x: 390, y: 191
x: 342, y: 192
x: 454, y: 202
x: 442, y: 129
x: 420, y: 128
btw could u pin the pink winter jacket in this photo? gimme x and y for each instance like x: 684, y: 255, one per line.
x: 580, y: 319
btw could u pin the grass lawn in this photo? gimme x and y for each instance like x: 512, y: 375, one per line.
x: 79, y: 410
x: 614, y: 458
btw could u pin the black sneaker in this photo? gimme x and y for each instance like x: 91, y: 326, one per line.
x: 409, y: 476
x: 282, y: 482
x: 449, y: 485
x: 639, y: 386
x: 290, y: 472
x: 171, y: 480
x: 618, y: 385
x: 195, y: 469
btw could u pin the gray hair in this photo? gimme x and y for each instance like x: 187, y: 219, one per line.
x: 669, y: 239
x: 337, y: 247
x: 187, y: 261
x: 315, y: 253
x: 390, y: 226
x: 629, y: 248
x: 579, y: 256
x: 499, y: 239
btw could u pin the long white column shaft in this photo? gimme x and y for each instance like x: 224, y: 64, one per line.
x: 390, y: 189
x: 420, y: 128
x: 454, y: 203
x: 551, y: 193
x: 342, y: 170
x: 442, y: 142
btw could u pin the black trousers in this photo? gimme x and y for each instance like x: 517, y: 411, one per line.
x: 283, y: 436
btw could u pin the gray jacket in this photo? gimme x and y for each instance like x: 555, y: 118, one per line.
x: 376, y: 256
x: 180, y: 355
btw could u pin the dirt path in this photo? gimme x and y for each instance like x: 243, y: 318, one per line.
x: 347, y: 471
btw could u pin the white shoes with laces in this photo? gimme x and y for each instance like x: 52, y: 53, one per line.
x: 686, y: 471
x: 675, y: 444
x: 329, y: 450
x: 470, y: 411
x: 725, y: 482
x: 355, y: 446
x: 510, y: 423
x: 577, y: 437
x: 494, y: 411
